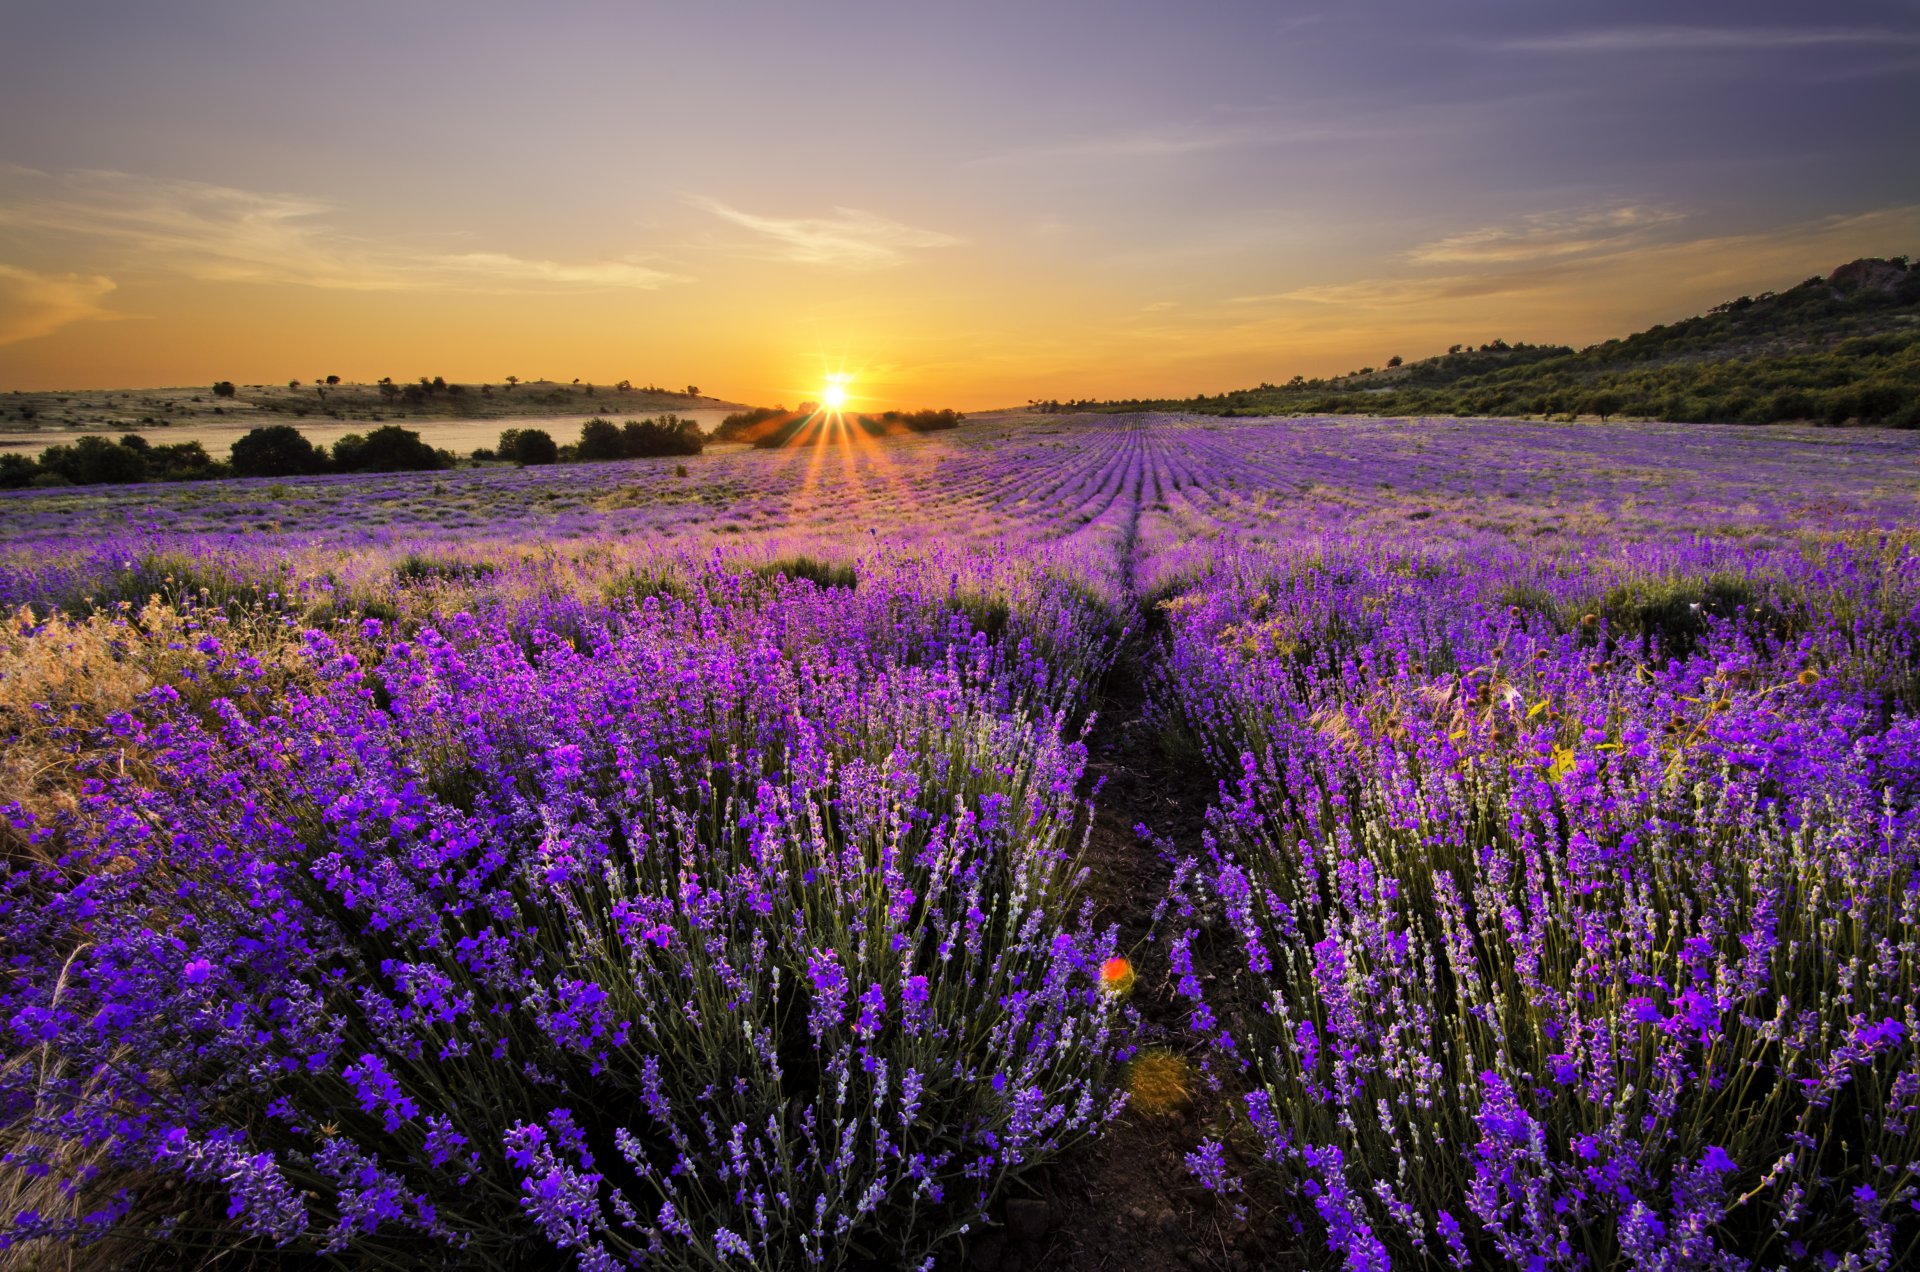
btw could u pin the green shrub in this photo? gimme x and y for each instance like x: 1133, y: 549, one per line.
x: 278, y: 450
x: 416, y: 567
x: 819, y: 573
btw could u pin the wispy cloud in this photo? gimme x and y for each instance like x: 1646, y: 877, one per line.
x: 1396, y: 292
x: 1525, y: 254
x: 1629, y: 271
x: 850, y: 238
x: 496, y: 269
x: 1690, y: 39
x: 34, y: 304
x: 1548, y: 235
x: 224, y: 234
x: 1163, y: 141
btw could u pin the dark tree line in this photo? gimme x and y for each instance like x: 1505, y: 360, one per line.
x: 93, y: 460
x: 600, y: 439
x: 277, y: 450
x: 281, y: 450
x: 637, y: 439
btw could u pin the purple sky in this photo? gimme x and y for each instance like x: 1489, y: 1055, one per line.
x: 969, y: 202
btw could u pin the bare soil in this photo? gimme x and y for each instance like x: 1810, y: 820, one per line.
x: 1125, y: 1201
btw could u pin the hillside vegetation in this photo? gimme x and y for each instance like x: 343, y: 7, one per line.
x: 1839, y: 349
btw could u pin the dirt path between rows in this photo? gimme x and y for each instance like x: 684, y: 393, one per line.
x: 1125, y: 1201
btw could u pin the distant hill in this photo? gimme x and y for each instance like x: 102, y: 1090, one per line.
x: 1843, y: 349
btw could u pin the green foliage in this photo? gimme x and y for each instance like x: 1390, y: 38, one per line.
x: 751, y: 425
x: 93, y: 461
x: 1844, y: 349
x: 637, y: 583
x: 820, y: 573
x: 667, y: 435
x: 388, y: 449
x: 279, y: 450
x: 1672, y: 616
x: 182, y: 461
x: 602, y: 439
x: 180, y: 579
x: 599, y: 439
x: 417, y: 567
x: 927, y: 421
x: 986, y: 613
x: 528, y: 446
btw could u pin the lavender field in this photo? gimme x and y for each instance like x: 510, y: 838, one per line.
x: 696, y: 865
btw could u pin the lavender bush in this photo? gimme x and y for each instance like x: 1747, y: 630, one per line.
x: 731, y: 928
x: 645, y: 867
x: 1578, y: 932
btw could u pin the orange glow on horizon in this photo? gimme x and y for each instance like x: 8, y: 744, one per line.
x: 952, y: 331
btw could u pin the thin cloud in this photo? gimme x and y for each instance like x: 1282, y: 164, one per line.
x: 501, y: 270
x: 1696, y: 39
x: 850, y: 239
x: 1174, y: 140
x: 1517, y: 256
x: 1395, y: 292
x: 224, y: 234
x: 1713, y: 264
x: 34, y: 304
x: 1547, y: 235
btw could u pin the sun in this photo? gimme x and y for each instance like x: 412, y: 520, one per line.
x: 834, y: 396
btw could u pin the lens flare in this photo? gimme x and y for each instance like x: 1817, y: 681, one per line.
x: 1159, y: 1084
x: 833, y: 397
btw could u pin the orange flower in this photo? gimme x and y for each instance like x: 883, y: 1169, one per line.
x: 1116, y: 976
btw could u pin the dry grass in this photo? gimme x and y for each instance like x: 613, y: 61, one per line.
x: 59, y: 681
x: 62, y: 678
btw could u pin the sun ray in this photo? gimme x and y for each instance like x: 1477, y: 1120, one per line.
x: 861, y: 475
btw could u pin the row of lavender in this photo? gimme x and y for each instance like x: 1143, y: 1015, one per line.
x: 729, y: 921
x: 1561, y: 905
x: 1569, y: 905
x: 632, y: 895
x: 1038, y: 481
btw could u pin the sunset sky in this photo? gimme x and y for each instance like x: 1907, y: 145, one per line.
x: 965, y: 204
